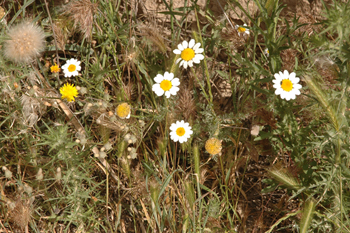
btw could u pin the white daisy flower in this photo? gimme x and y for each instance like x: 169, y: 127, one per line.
x: 166, y: 84
x: 286, y: 85
x: 190, y: 53
x: 71, y: 68
x: 242, y: 29
x: 267, y: 52
x: 180, y: 131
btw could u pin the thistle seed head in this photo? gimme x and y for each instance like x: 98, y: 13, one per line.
x: 26, y: 41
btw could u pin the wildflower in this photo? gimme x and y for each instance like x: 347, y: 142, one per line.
x: 180, y: 131
x: 267, y: 52
x: 190, y: 52
x: 68, y: 92
x: 26, y: 41
x: 213, y: 146
x: 123, y: 111
x: 55, y: 69
x: 166, y: 84
x: 242, y: 29
x: 71, y: 68
x: 286, y: 85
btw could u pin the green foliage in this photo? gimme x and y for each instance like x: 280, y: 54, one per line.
x: 106, y: 174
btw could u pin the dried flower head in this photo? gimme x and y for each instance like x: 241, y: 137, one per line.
x: 255, y: 130
x: 68, y: 92
x: 123, y: 111
x: 26, y: 41
x: 21, y: 213
x: 213, y: 146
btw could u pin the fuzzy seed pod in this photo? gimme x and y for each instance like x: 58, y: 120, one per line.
x: 26, y: 41
x: 39, y: 175
x: 8, y: 173
x: 58, y: 174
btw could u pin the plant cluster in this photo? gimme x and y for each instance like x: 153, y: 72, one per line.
x: 251, y: 136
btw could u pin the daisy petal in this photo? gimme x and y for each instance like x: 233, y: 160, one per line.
x: 196, y: 46
x: 191, y: 44
x: 175, y: 82
x: 185, y: 64
x: 176, y: 51
x: 159, y: 78
x: 185, y: 44
x: 199, y: 56
x: 199, y: 50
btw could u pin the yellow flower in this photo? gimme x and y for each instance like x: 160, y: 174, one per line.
x: 68, y: 91
x: 123, y: 111
x: 55, y: 69
x: 213, y: 146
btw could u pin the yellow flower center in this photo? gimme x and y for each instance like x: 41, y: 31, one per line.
x: 187, y: 54
x: 123, y: 110
x: 241, y: 29
x: 166, y: 85
x: 68, y: 91
x: 287, y: 85
x: 71, y: 68
x: 180, y: 131
x: 213, y: 146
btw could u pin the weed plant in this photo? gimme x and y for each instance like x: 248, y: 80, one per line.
x: 114, y: 120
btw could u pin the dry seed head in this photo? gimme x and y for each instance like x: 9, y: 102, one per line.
x: 108, y: 146
x: 213, y: 146
x: 8, y: 173
x: 103, y: 154
x: 58, y: 174
x: 152, y: 34
x: 82, y: 13
x: 255, y: 130
x: 39, y: 175
x: 28, y: 189
x: 60, y: 37
x: 26, y: 41
x: 186, y: 103
x: 21, y: 213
